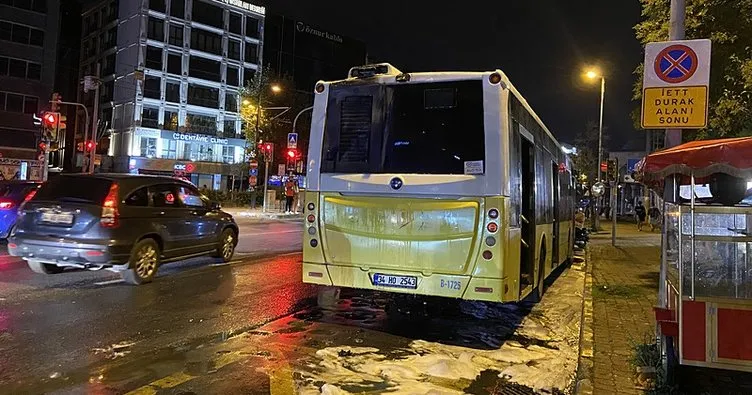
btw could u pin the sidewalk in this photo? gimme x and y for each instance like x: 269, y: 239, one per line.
x: 624, y: 290
x: 257, y: 213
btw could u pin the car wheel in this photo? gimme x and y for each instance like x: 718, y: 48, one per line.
x: 226, y: 246
x: 143, y: 263
x: 43, y: 268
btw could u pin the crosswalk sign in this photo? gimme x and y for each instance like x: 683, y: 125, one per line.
x: 292, y: 140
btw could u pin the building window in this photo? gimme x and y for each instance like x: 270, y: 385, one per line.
x: 158, y: 5
x: 148, y: 147
x: 251, y: 27
x: 169, y: 149
x: 31, y: 105
x: 232, y: 76
x: 177, y: 8
x: 206, y: 41
x: 14, y: 102
x: 29, y: 5
x: 233, y: 49
x: 110, y: 39
x: 230, y: 131
x: 154, y: 58
x: 176, y: 35
x: 203, y: 124
x: 231, y: 102
x: 152, y: 87
x: 207, y: 14
x: 228, y: 154
x: 248, y: 75
x: 21, y: 34
x: 108, y: 91
x: 172, y: 92
x: 150, y: 118
x: 155, y: 29
x: 17, y: 68
x: 170, y: 121
x: 108, y: 65
x: 204, y: 69
x: 175, y: 63
x: 251, y: 53
x: 34, y: 71
x: 236, y: 23
x: 203, y: 96
x: 197, y: 152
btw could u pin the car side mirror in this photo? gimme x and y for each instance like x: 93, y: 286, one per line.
x: 215, y: 206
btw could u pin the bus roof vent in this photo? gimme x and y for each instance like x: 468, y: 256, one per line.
x: 371, y: 70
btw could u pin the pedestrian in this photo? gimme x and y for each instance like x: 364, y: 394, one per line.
x: 289, y: 193
x: 654, y: 216
x: 640, y: 214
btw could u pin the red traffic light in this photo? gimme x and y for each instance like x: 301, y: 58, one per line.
x: 268, y: 147
x: 89, y: 145
x: 291, y: 153
x: 43, y: 146
x: 50, y: 119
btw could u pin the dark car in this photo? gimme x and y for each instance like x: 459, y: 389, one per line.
x: 123, y: 223
x: 13, y: 194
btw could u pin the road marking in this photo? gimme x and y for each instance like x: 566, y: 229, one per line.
x: 108, y: 282
x: 271, y: 233
x: 170, y: 381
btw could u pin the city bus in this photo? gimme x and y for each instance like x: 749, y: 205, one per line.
x: 438, y: 184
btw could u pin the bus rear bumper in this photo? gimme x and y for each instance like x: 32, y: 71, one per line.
x: 451, y: 286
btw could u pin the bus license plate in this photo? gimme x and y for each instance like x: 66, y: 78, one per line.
x: 388, y: 280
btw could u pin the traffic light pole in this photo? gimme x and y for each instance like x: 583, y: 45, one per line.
x: 86, y: 113
x: 95, y: 124
x: 266, y: 183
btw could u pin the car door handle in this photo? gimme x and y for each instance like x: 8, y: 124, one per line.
x: 159, y: 213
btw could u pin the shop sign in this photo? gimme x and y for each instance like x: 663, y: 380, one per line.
x: 184, y: 167
x: 199, y: 138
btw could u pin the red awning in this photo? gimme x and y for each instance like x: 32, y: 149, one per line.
x: 703, y: 158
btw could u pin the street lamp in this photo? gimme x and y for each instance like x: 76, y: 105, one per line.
x: 593, y: 74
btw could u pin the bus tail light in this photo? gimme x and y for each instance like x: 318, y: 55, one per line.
x: 311, y: 206
x: 494, y: 78
x: 314, y: 243
x: 315, y: 274
x: 490, y: 241
x: 492, y: 227
x: 493, y: 213
x: 487, y: 255
x: 311, y: 218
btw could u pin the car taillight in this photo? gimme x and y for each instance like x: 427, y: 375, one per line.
x: 110, y: 212
x: 28, y: 197
x: 6, y: 204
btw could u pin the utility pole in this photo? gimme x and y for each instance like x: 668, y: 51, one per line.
x: 614, y: 198
x: 95, y: 122
x: 675, y: 32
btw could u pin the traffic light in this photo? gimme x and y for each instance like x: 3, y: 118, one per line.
x: 42, y: 147
x: 61, y: 122
x: 90, y: 145
x: 292, y: 154
x: 50, y: 119
x: 54, y: 105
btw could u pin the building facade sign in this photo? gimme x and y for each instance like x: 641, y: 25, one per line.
x: 246, y: 6
x: 305, y: 28
x: 201, y: 138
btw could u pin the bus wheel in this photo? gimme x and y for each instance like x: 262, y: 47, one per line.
x: 328, y: 297
x: 541, y: 288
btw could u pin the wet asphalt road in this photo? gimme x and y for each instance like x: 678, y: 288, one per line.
x: 60, y: 331
x: 252, y: 327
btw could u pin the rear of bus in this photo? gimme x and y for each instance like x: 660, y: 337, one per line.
x: 407, y: 185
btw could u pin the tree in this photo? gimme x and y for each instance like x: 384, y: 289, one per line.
x: 266, y: 89
x: 728, y: 23
x: 587, y: 150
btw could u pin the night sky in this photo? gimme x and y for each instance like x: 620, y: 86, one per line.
x: 542, y: 45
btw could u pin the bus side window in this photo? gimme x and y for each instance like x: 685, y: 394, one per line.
x: 515, y: 175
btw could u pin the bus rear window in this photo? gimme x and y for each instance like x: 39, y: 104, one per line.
x: 430, y: 128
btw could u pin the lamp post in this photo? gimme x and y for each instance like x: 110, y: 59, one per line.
x: 594, y: 74
x: 275, y: 89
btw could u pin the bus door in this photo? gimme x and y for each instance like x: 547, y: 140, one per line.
x: 527, y: 219
x: 556, y: 195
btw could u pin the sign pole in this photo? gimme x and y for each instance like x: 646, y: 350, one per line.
x: 266, y: 183
x: 676, y: 32
x: 614, y: 198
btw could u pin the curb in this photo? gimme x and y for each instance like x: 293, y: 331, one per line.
x: 584, y: 379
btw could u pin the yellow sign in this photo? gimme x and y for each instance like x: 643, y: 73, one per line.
x: 681, y: 107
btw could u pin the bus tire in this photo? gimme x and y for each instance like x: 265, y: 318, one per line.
x: 541, y: 288
x: 328, y: 297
